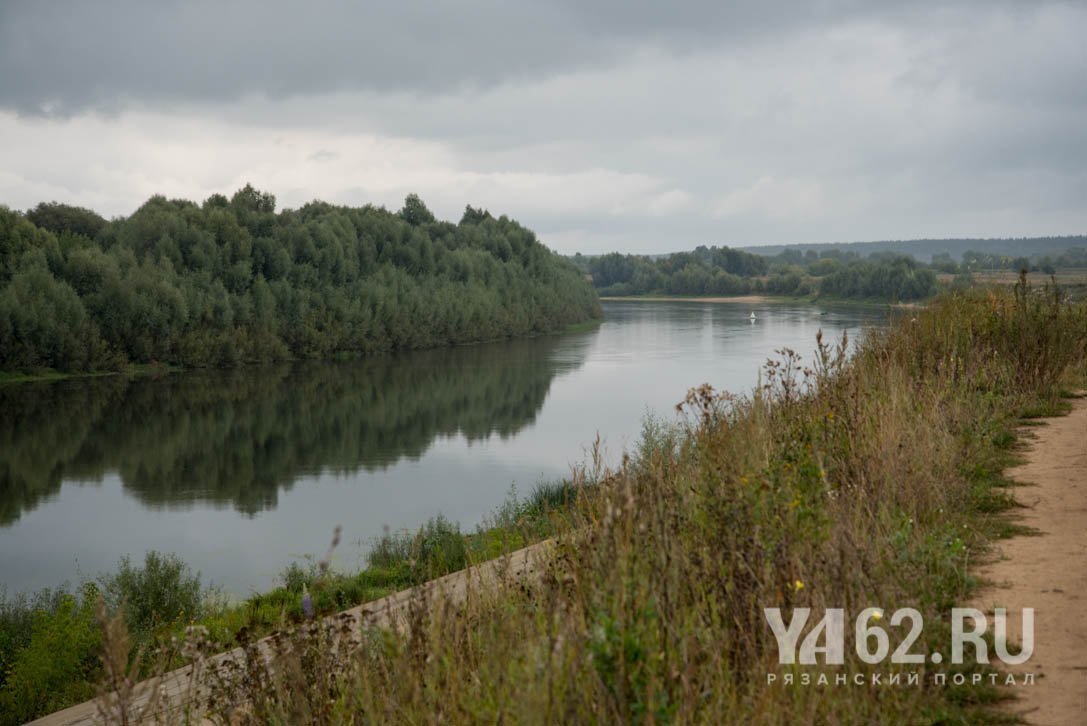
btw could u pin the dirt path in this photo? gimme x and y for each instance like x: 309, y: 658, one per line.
x: 1048, y: 572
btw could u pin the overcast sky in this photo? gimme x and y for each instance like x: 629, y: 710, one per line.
x: 637, y: 126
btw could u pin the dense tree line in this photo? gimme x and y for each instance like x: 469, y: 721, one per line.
x: 232, y: 280
x: 725, y: 271
x: 705, y: 271
x: 901, y: 278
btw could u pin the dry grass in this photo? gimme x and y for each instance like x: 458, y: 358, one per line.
x: 1072, y: 280
x: 1063, y: 277
x: 840, y: 482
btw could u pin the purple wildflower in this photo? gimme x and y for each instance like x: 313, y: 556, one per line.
x: 307, y: 602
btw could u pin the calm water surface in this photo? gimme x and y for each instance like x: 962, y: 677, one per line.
x: 239, y: 472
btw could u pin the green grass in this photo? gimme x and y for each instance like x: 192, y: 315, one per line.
x: 1046, y: 409
x: 162, y: 600
x: 842, y: 481
x: 397, y: 561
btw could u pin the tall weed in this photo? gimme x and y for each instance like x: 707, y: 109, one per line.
x: 841, y: 481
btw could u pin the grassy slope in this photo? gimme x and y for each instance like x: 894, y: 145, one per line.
x: 871, y: 482
x: 842, y: 482
x: 36, y: 678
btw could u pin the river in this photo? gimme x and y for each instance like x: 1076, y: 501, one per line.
x: 240, y: 472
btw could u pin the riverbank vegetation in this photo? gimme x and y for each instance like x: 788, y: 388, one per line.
x: 232, y: 281
x: 844, y: 481
x: 51, y: 640
x: 847, y: 479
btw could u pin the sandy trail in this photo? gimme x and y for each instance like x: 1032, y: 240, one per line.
x: 1048, y: 572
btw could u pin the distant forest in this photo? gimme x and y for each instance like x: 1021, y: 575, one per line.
x: 725, y: 271
x: 926, y: 249
x: 837, y: 272
x: 231, y: 281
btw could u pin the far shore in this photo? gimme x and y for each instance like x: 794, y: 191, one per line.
x: 675, y: 298
x: 762, y: 300
x: 48, y: 374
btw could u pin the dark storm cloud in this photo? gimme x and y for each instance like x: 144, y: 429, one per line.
x: 637, y: 125
x: 61, y: 57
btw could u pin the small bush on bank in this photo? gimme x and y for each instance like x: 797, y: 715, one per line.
x: 17, y: 621
x: 295, y: 577
x: 163, y: 591
x: 436, y: 549
x: 59, y: 664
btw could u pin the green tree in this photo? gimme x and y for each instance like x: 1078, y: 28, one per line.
x: 59, y: 218
x: 415, y: 212
x: 232, y: 280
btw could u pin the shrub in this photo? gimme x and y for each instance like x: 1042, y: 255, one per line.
x: 440, y: 548
x: 59, y: 665
x: 550, y: 496
x: 17, y: 621
x: 392, y: 550
x: 435, y: 550
x: 296, y: 577
x: 163, y: 591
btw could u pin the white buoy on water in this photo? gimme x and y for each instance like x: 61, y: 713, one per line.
x: 752, y: 318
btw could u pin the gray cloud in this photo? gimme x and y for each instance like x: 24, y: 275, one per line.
x: 66, y: 55
x: 635, y: 125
